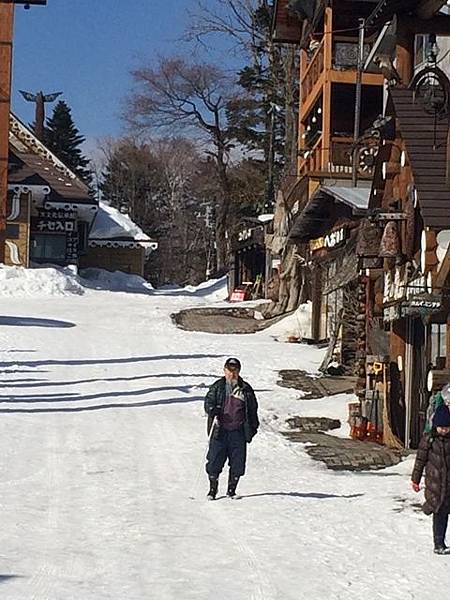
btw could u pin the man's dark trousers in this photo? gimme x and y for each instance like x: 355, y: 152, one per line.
x: 231, y: 445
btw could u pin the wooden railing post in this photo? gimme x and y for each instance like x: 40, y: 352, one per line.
x: 328, y: 63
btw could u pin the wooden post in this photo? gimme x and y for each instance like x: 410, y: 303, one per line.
x: 6, y: 36
x: 405, y: 53
x: 325, y: 157
x: 448, y: 343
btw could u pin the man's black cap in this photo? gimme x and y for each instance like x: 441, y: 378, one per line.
x: 233, y: 363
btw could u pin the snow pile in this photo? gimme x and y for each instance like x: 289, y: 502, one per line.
x: 48, y: 281
x: 110, y: 224
x: 116, y: 281
x: 212, y: 290
x: 297, y: 325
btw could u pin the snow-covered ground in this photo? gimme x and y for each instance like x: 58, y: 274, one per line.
x: 102, y: 488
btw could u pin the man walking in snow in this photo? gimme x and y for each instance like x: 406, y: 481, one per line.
x: 232, y: 411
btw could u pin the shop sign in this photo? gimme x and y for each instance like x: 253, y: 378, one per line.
x: 245, y: 235
x: 331, y: 240
x: 55, y: 221
x: 59, y: 221
x: 423, y: 304
x: 398, y: 286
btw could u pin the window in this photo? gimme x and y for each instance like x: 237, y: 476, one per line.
x: 50, y: 248
x: 82, y: 237
x: 12, y: 231
x: 438, y: 342
x: 420, y: 51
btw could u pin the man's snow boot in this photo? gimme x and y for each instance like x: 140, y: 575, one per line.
x: 232, y: 485
x: 213, y: 487
x: 441, y: 550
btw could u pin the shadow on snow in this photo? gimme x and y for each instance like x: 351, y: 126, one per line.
x: 316, y: 495
x: 105, y: 361
x: 32, y: 322
x: 25, y: 383
x: 75, y: 409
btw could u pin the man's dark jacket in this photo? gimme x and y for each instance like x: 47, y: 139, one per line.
x: 215, y: 401
x: 433, y: 456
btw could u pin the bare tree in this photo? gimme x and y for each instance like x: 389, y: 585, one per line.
x: 177, y: 95
x: 247, y: 26
x: 237, y: 19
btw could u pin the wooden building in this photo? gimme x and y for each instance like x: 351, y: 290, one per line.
x: 329, y: 227
x: 400, y: 242
x: 116, y: 243
x: 248, y: 270
x: 327, y: 34
x: 407, y: 268
x: 50, y: 210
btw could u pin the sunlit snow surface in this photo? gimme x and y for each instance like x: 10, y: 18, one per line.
x: 101, y: 478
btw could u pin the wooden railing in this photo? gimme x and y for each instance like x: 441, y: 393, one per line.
x: 336, y: 159
x: 313, y: 71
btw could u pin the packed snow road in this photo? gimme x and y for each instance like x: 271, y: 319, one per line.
x: 102, y: 488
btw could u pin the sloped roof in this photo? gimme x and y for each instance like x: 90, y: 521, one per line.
x: 32, y: 163
x: 357, y: 198
x: 426, y: 144
x: 110, y: 224
x: 321, y: 212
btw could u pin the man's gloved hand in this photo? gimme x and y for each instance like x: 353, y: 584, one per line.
x: 415, y: 486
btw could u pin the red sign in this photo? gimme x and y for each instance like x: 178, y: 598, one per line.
x: 237, y: 296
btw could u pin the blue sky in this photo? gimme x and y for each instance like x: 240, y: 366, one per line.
x: 86, y: 49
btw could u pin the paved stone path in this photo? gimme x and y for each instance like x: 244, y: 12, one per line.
x: 339, y: 454
x: 316, y: 387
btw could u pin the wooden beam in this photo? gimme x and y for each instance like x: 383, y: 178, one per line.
x: 443, y: 273
x: 428, y: 8
x: 6, y: 36
x: 350, y: 77
x: 440, y: 24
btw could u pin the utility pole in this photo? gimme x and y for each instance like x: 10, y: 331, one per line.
x: 270, y: 190
x: 6, y: 45
x: 359, y: 72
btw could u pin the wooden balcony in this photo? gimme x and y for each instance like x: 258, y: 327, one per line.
x: 313, y: 71
x: 334, y: 160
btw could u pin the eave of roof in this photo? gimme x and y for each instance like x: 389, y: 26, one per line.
x: 426, y: 145
x: 316, y: 215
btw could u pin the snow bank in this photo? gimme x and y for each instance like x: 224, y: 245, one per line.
x: 48, y: 281
x: 213, y: 290
x: 59, y: 281
x: 116, y: 281
x: 298, y: 324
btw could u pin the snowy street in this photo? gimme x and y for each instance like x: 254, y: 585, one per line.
x: 102, y: 486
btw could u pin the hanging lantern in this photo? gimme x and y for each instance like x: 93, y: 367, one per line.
x: 390, y: 241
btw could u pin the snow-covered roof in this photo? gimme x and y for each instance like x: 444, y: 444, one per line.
x: 112, y: 225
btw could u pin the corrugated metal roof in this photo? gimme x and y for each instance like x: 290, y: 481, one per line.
x: 426, y: 144
x: 355, y: 197
x: 323, y: 209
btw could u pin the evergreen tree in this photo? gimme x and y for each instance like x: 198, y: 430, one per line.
x: 63, y: 138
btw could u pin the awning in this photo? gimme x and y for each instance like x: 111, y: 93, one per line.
x: 320, y: 214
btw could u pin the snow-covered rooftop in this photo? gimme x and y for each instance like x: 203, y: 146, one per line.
x: 111, y: 224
